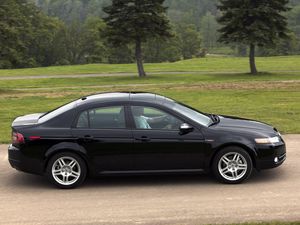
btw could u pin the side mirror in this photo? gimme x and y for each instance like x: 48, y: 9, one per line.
x: 185, y: 129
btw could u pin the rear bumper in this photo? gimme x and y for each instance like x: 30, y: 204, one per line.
x: 20, y: 162
x: 270, y: 156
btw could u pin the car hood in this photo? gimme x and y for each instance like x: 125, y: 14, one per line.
x: 30, y: 119
x: 235, y: 123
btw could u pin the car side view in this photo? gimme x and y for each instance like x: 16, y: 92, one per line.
x: 140, y: 133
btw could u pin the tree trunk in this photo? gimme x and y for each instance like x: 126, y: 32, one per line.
x: 252, y: 59
x: 139, y: 58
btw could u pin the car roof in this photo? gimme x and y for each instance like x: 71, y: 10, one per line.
x: 124, y: 96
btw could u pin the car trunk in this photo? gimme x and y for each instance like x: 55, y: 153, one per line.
x: 30, y: 119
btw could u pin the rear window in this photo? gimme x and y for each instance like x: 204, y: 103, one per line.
x: 60, y: 110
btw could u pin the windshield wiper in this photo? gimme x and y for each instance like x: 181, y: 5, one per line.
x: 215, y: 119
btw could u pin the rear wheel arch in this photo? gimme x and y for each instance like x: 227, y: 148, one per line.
x: 77, y: 149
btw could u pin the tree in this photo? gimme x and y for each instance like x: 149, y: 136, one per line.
x: 27, y: 36
x: 136, y: 21
x: 158, y: 50
x: 208, y: 28
x: 254, y: 23
x: 190, y: 40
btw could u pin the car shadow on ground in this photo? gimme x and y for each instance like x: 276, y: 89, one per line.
x: 23, y: 180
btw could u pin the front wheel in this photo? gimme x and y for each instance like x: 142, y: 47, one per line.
x: 66, y: 170
x: 232, y: 165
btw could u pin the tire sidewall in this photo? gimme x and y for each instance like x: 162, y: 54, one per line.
x: 224, y: 151
x: 82, y: 165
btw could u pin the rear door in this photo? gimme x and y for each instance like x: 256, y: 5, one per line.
x: 103, y: 131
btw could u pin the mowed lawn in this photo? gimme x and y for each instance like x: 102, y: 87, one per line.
x: 209, y: 64
x: 272, y: 97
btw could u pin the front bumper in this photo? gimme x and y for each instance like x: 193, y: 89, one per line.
x: 23, y: 163
x: 270, y: 156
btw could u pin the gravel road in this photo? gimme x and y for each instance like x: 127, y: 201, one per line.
x: 192, y: 199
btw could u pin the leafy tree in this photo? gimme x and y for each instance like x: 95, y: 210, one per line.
x: 93, y: 41
x: 208, y: 29
x: 27, y: 35
x: 120, y: 54
x: 159, y: 50
x: 190, y: 40
x: 294, y: 20
x: 254, y: 23
x: 136, y: 21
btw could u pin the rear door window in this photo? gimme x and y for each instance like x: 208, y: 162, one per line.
x: 112, y: 117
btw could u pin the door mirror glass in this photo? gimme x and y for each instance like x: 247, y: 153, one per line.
x: 185, y: 128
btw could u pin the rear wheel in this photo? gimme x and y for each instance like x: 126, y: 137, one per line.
x: 66, y: 170
x: 232, y: 165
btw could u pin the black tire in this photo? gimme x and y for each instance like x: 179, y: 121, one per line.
x: 79, y: 168
x: 237, y: 172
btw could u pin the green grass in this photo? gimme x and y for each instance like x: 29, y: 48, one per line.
x: 268, y: 223
x: 213, y: 64
x: 270, y: 97
x: 278, y: 107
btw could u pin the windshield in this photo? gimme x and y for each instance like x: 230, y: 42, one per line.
x: 49, y: 115
x: 192, y: 114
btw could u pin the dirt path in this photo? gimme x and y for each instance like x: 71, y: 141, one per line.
x: 21, y: 77
x: 268, y: 195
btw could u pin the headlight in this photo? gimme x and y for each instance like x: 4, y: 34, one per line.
x: 270, y: 140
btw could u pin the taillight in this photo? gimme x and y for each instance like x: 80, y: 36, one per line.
x: 17, y: 138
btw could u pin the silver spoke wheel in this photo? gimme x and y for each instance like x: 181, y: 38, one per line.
x: 232, y: 166
x: 66, y: 170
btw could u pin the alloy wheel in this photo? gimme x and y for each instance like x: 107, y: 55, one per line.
x: 66, y: 170
x: 232, y: 166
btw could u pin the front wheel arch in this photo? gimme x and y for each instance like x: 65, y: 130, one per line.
x: 250, y: 151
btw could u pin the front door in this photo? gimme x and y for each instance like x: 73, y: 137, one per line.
x: 158, y: 144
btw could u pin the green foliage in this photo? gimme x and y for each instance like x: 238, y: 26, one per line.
x: 253, y: 22
x: 209, y: 27
x: 27, y: 35
x: 158, y: 50
x: 85, y: 43
x: 190, y: 40
x: 129, y: 20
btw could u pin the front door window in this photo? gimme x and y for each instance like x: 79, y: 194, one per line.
x: 152, y: 118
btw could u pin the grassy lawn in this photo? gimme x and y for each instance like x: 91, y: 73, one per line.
x: 270, y: 97
x: 212, y: 64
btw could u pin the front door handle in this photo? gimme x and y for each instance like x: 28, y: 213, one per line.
x: 143, y: 139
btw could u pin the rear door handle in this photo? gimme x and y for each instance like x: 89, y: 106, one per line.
x: 88, y: 138
x: 143, y: 139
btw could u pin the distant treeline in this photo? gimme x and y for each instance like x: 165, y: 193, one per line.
x: 61, y: 32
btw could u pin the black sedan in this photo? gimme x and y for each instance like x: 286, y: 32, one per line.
x: 140, y: 133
